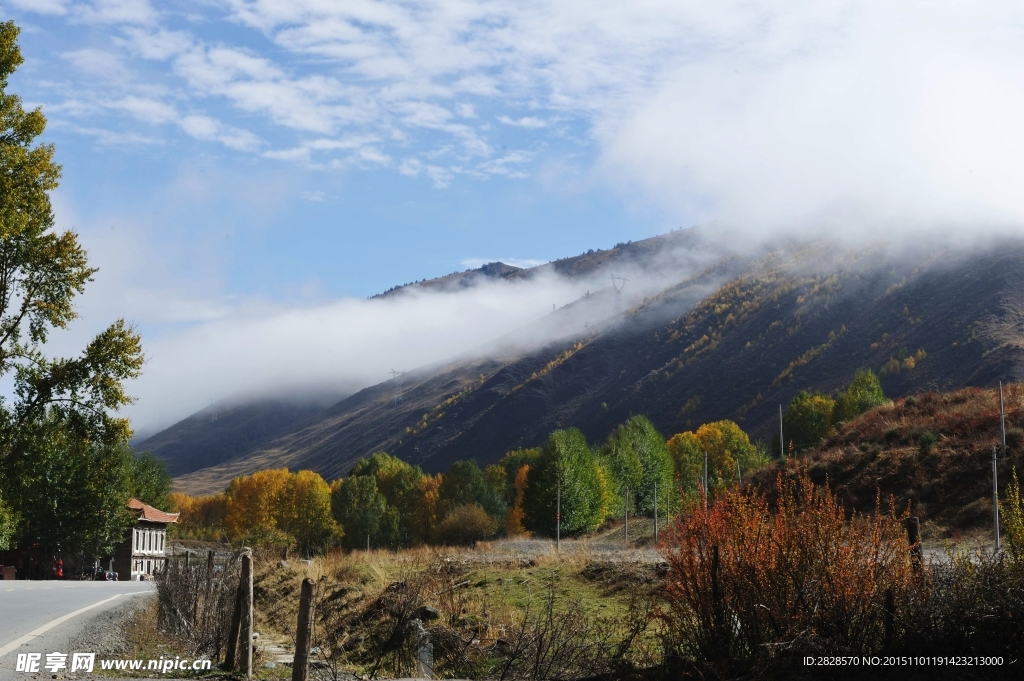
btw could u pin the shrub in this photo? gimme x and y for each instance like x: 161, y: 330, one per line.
x: 754, y: 585
x: 466, y: 525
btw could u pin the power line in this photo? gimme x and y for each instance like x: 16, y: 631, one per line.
x: 399, y: 378
x: 618, y: 291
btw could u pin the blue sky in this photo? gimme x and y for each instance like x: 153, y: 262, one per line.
x: 329, y: 167
x: 245, y: 172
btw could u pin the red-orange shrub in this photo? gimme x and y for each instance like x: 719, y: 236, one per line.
x: 753, y: 584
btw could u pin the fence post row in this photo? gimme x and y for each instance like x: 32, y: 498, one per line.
x: 303, y: 632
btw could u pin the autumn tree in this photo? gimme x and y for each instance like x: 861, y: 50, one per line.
x: 726, y: 445
x: 567, y: 458
x: 808, y: 420
x: 514, y: 520
x: 305, y: 513
x: 200, y: 517
x: 253, y: 506
x: 425, y: 519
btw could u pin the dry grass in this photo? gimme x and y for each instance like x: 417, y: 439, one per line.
x: 497, y: 607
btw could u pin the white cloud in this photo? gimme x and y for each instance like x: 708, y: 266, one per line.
x: 59, y: 7
x: 209, y: 129
x: 139, y: 12
x: 529, y: 122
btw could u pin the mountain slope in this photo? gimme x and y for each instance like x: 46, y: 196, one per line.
x: 733, y: 341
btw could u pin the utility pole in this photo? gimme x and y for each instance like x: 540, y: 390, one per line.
x: 367, y: 542
x: 739, y: 474
x: 995, y: 497
x: 558, y: 517
x: 1002, y: 418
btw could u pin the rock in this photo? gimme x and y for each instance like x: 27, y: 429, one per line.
x: 269, y: 665
x: 395, y: 586
x: 426, y: 613
x: 282, y: 564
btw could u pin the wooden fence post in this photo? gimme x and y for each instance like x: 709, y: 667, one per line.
x: 236, y: 623
x: 303, y: 632
x: 245, y: 631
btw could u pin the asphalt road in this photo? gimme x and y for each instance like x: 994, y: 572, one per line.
x: 46, y: 616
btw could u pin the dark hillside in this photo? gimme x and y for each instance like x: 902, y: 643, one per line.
x: 752, y: 345
x: 932, y: 451
x: 734, y: 341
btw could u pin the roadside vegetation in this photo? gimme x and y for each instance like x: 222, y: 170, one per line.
x: 66, y: 471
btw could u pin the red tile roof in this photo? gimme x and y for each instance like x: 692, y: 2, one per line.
x: 154, y: 515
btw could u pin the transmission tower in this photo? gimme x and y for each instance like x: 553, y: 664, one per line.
x: 618, y: 291
x: 398, y: 377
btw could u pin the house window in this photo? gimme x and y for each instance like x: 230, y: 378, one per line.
x: 135, y: 534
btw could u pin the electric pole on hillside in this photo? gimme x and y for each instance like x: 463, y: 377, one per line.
x: 995, y: 497
x: 399, y: 378
x: 1002, y: 419
x: 705, y: 479
x: 617, y: 307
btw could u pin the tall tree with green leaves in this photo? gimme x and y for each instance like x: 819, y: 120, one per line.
x: 71, y: 494
x: 638, y: 459
x: 567, y: 458
x: 41, y: 272
x: 399, y: 483
x: 363, y: 513
x: 151, y: 483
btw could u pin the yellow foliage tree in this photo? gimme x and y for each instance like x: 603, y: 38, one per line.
x: 425, y: 515
x: 200, y: 517
x: 725, y: 444
x: 254, y: 504
x: 305, y: 512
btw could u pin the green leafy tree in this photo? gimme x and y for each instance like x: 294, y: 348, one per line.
x: 363, y: 512
x: 638, y: 459
x: 41, y: 272
x: 565, y: 457
x: 863, y: 393
x: 150, y: 481
x: 71, y: 494
x: 463, y: 485
x: 808, y: 420
x: 399, y: 483
x: 9, y: 520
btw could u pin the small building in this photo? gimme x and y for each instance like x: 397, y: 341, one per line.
x: 141, y: 554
